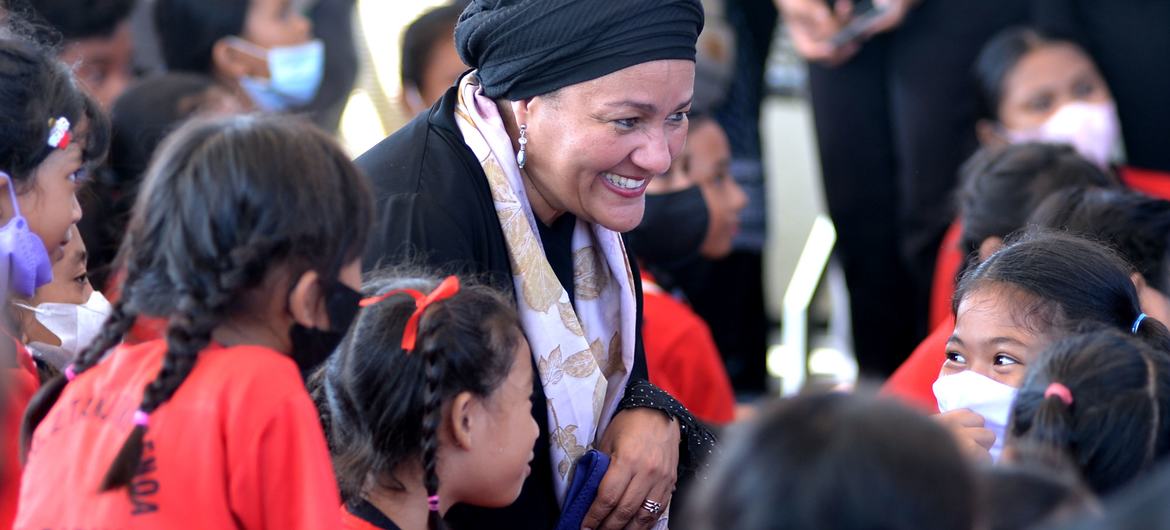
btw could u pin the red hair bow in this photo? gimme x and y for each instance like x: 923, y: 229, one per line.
x: 445, y: 290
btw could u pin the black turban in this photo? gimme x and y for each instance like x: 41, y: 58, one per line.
x: 525, y: 48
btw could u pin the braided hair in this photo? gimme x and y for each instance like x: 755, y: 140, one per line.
x: 384, y: 405
x: 221, y: 209
x: 1101, y: 399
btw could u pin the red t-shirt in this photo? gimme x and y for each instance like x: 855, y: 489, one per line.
x: 682, y: 357
x: 19, y: 385
x: 942, y: 290
x: 1148, y: 181
x: 239, y: 445
x: 913, y: 382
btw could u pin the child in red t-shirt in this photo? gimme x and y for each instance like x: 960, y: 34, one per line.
x: 246, y: 239
x: 49, y: 135
x: 427, y: 404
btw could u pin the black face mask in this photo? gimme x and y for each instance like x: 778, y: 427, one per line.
x: 673, y: 228
x: 312, y: 346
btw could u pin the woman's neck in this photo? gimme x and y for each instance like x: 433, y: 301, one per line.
x: 407, y: 508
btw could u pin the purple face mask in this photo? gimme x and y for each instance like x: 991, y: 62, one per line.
x: 24, y: 262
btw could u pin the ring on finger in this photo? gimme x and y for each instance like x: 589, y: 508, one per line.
x: 653, y: 507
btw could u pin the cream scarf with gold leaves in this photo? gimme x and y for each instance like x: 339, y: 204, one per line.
x: 584, y: 352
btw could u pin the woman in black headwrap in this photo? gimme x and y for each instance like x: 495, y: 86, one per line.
x: 526, y: 173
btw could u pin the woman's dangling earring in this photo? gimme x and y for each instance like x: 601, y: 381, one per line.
x: 522, y: 155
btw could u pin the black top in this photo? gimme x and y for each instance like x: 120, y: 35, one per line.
x: 435, y: 210
x: 367, y: 512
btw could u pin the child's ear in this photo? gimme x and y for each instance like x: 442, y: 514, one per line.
x: 306, y: 302
x: 463, y: 418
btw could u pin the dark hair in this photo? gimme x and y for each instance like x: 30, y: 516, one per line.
x: 1026, y: 494
x: 1135, y: 224
x: 382, y: 405
x: 76, y: 19
x: 35, y: 88
x: 1063, y: 282
x: 223, y: 205
x: 1001, y: 186
x: 837, y: 461
x: 421, y: 36
x: 142, y: 116
x: 1118, y: 423
x: 188, y: 30
x: 999, y: 57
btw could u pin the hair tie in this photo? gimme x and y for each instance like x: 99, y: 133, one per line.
x: 445, y: 290
x: 59, y: 135
x: 70, y: 374
x: 141, y: 418
x: 1137, y: 323
x: 1061, y: 392
x: 433, y: 503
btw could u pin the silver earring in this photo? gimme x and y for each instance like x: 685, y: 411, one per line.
x: 522, y: 156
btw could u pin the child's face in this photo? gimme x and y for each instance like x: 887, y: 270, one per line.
x: 104, y: 64
x: 1044, y: 80
x: 276, y: 23
x: 70, y: 285
x: 709, y: 161
x: 989, y: 340
x: 50, y: 202
x: 510, y: 432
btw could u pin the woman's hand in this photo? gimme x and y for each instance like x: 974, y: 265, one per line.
x: 643, y: 448
x: 974, y: 440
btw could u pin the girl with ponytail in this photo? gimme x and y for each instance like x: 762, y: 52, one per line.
x: 246, y: 240
x: 1101, y: 399
x: 1021, y: 299
x: 427, y: 403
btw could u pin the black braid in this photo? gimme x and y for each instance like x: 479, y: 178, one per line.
x: 113, y: 330
x: 188, y: 333
x: 432, y: 416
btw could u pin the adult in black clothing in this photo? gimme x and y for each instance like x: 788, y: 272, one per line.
x: 524, y: 174
x: 895, y: 118
x: 1128, y: 42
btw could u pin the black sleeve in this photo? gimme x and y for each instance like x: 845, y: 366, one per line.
x: 413, y: 229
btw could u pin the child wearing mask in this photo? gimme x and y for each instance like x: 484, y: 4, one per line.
x: 427, y: 403
x: 1101, y: 399
x: 1012, y: 307
x: 211, y: 426
x: 261, y: 50
x: 999, y: 187
x: 1038, y: 88
x: 67, y: 313
x: 51, y: 134
x: 692, y: 215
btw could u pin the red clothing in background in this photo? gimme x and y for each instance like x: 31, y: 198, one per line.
x: 239, y: 445
x: 682, y: 357
x: 913, y: 382
x: 19, y: 385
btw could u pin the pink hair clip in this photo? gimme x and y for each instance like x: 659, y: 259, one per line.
x: 1061, y: 392
x: 70, y: 374
x: 433, y: 503
x: 141, y: 419
x: 59, y: 135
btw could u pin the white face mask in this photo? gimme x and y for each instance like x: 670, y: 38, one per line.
x: 982, y: 395
x: 1091, y: 128
x: 75, y: 325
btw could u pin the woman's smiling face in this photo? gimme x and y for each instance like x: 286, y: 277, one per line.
x: 990, y: 339
x: 594, y: 146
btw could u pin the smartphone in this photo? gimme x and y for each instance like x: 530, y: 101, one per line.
x: 867, y: 16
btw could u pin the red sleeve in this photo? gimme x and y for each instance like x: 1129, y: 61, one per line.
x: 913, y: 382
x: 950, y: 258
x: 1148, y: 181
x: 688, y: 365
x: 16, y: 389
x: 285, y: 459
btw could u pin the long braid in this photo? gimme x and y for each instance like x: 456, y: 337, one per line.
x: 432, y: 416
x: 188, y: 333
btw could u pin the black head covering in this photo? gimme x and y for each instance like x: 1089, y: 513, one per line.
x: 525, y: 48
